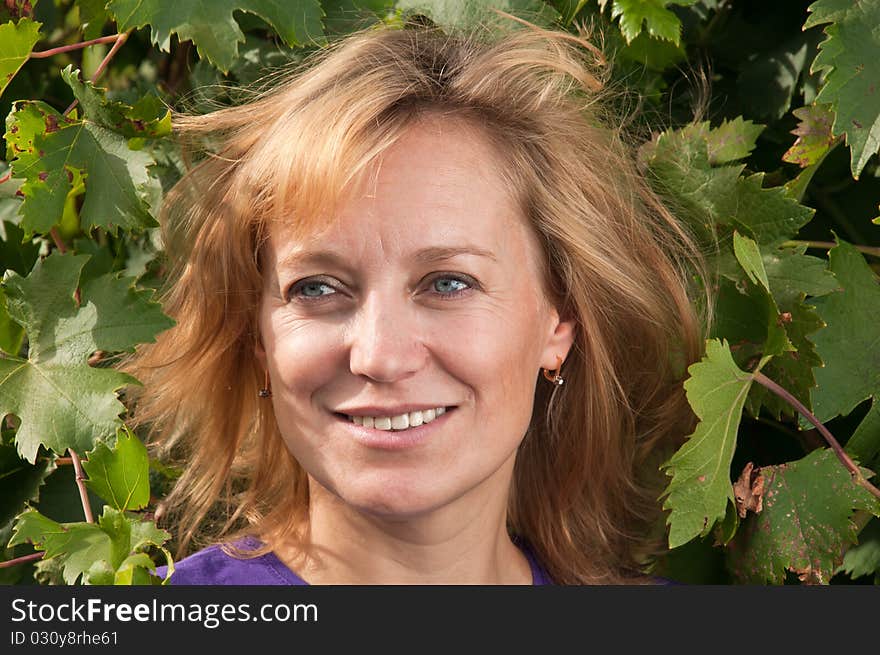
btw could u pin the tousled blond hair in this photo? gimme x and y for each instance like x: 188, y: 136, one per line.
x: 586, y: 483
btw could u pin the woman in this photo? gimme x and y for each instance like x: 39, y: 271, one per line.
x: 432, y: 325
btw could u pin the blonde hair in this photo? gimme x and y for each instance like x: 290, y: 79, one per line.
x: 586, y: 483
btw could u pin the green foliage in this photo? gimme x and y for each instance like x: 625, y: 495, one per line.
x: 61, y: 401
x: 864, y: 559
x: 776, y: 180
x: 16, y: 42
x: 121, y: 475
x: 111, y: 551
x: 659, y: 21
x: 700, y: 490
x: 51, y: 151
x: 848, y: 57
x: 805, y: 524
x: 462, y: 14
x: 848, y: 344
x: 211, y: 26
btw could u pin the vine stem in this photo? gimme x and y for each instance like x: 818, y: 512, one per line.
x: 21, y: 560
x: 59, y: 242
x: 81, y: 484
x: 74, y: 46
x: 118, y: 41
x: 845, y: 459
x: 868, y: 250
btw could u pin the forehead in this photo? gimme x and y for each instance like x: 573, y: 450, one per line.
x: 439, y: 184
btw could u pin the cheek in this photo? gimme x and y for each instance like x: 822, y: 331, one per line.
x: 496, y: 353
x: 302, y: 355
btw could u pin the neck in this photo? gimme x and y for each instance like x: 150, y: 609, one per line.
x: 464, y: 542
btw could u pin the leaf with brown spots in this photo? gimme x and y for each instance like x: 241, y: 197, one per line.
x: 48, y: 150
x: 814, y: 137
x: 805, y: 525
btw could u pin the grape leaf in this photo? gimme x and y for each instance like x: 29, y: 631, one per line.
x: 48, y: 148
x: 792, y: 275
x: 11, y: 333
x: 464, y: 14
x: 82, y: 547
x: 848, y: 345
x: 814, y: 137
x: 653, y: 54
x: 864, y: 444
x: 793, y: 370
x: 343, y: 16
x: 19, y: 480
x: 864, y: 559
x: 147, y: 118
x: 61, y: 401
x: 120, y: 476
x: 749, y: 256
x: 848, y: 56
x: 211, y: 25
x: 16, y: 253
x: 16, y: 42
x: 805, y: 524
x: 92, y: 17
x: 659, y: 21
x: 700, y: 489
x: 694, y: 167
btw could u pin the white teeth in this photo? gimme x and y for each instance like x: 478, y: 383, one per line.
x: 399, y: 422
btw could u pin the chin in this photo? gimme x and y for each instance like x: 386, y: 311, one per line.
x: 395, y: 500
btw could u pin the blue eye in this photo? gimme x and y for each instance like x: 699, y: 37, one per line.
x: 449, y: 286
x: 311, y: 289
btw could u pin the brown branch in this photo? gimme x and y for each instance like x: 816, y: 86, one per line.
x: 80, y: 483
x: 21, y: 560
x: 59, y: 242
x: 868, y: 250
x: 6, y: 176
x: 120, y: 39
x: 845, y: 459
x: 40, y: 54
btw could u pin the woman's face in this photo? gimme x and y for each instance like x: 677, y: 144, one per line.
x: 424, y: 297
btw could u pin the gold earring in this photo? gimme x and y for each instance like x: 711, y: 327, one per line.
x: 265, y: 392
x: 554, y: 375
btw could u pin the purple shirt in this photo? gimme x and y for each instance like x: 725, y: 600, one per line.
x: 212, y: 566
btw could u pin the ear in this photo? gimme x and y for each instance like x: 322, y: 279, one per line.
x: 560, y: 338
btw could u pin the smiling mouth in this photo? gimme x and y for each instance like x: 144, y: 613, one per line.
x: 398, y: 422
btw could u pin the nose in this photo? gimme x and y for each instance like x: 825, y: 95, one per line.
x: 385, y: 342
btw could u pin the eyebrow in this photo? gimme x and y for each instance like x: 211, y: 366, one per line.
x: 439, y: 253
x: 425, y: 255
